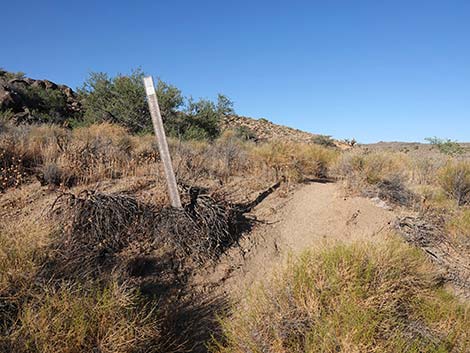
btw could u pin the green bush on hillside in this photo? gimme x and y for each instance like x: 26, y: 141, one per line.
x: 50, y: 106
x: 446, y: 146
x: 122, y: 100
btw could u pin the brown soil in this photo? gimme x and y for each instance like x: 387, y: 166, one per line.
x: 311, y: 215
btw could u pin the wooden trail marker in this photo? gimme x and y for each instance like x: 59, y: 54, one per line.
x: 161, y: 141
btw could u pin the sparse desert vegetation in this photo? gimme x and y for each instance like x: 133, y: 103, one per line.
x: 357, y: 298
x: 93, y: 259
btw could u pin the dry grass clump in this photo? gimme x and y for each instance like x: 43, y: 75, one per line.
x: 65, y: 158
x: 17, y: 159
x: 21, y: 254
x: 454, y: 178
x: 377, y: 174
x: 71, y: 318
x: 458, y: 226
x: 358, y: 298
x: 295, y: 161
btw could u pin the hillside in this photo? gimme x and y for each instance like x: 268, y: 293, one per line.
x: 27, y: 100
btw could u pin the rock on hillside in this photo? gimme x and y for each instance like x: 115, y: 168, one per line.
x: 265, y: 130
x: 30, y: 100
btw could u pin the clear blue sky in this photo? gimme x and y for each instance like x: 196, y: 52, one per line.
x: 373, y: 70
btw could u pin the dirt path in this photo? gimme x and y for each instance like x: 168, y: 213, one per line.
x: 312, y: 215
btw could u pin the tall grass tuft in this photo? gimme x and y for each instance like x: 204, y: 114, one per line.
x: 358, y: 298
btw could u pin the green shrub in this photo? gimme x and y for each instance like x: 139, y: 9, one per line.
x: 122, y: 100
x: 445, y: 146
x: 324, y: 140
x: 200, y: 119
x: 245, y: 133
x: 47, y: 106
x: 350, y: 299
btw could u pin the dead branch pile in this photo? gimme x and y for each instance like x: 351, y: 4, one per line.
x: 95, y: 227
x: 426, y: 232
x: 395, y: 191
x: 204, y: 229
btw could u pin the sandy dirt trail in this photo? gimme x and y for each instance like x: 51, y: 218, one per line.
x: 312, y: 215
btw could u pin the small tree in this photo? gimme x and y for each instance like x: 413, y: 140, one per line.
x: 446, y: 146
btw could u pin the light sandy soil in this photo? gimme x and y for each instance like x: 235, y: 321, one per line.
x: 310, y: 216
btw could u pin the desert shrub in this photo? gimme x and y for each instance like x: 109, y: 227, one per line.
x: 358, y: 298
x: 191, y: 160
x: 200, y: 119
x: 446, y: 146
x: 458, y: 226
x: 324, y: 140
x: 245, y: 133
x: 454, y: 178
x: 229, y: 155
x: 350, y: 142
x: 75, y: 318
x: 18, y: 158
x: 295, y: 161
x: 395, y: 191
x: 373, y: 168
x: 120, y: 99
x: 384, y: 175
x: 5, y: 117
x: 47, y: 106
x: 424, y: 171
x: 101, y: 151
x: 21, y: 255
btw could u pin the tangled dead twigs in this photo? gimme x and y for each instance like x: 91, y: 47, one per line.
x: 95, y: 227
x: 426, y: 232
x: 395, y: 191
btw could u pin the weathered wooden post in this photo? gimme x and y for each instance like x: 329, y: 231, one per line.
x: 161, y: 141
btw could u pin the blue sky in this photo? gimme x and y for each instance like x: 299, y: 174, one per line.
x: 373, y: 70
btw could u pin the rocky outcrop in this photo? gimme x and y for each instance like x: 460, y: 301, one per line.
x: 28, y: 100
x: 265, y: 130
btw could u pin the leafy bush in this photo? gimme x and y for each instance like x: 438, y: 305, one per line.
x: 324, y: 140
x: 122, y: 100
x: 200, y: 119
x: 350, y: 299
x: 454, y: 178
x: 446, y: 146
x: 245, y: 133
x: 49, y: 106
